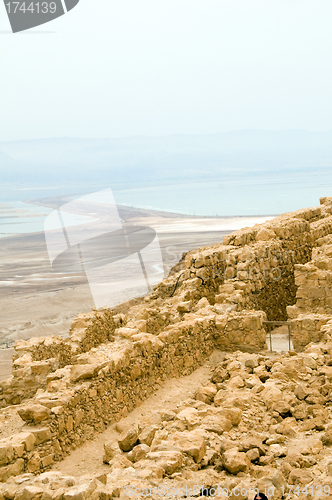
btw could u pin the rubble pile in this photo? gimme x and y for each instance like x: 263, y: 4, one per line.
x: 262, y: 421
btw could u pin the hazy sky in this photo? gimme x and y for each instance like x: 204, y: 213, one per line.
x: 155, y: 67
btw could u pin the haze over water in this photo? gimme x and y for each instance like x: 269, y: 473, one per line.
x: 240, y: 173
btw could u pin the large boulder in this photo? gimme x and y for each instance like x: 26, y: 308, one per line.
x: 327, y: 436
x: 82, y: 372
x: 111, y: 449
x: 128, y: 438
x: 34, y: 413
x: 270, y: 395
x: 216, y: 423
x: 235, y: 461
x: 189, y: 416
x: 232, y: 414
x: 170, y: 461
x: 139, y: 452
x: 6, y: 453
x: 192, y: 443
x: 147, y: 434
x: 300, y: 477
x: 206, y: 393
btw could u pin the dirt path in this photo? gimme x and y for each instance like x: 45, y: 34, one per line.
x: 88, y: 458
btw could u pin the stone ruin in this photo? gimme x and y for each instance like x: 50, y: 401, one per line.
x: 263, y: 421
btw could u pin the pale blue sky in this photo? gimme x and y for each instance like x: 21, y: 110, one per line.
x: 157, y: 67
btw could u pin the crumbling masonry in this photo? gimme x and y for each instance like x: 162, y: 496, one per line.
x: 65, y: 390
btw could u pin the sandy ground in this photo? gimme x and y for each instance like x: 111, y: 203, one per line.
x: 36, y: 301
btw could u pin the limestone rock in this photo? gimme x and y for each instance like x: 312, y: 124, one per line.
x: 301, y: 392
x: 190, y: 442
x: 184, y: 307
x: 219, y: 374
x: 139, y: 452
x: 253, y: 454
x: 252, y: 441
x: 266, y: 460
x: 40, y: 434
x: 281, y: 407
x: 147, y: 434
x: 82, y: 372
x: 299, y: 476
x: 189, y: 416
x: 34, y: 413
x: 146, y: 469
x: 13, y: 469
x: 235, y: 461
x: 234, y: 415
x: 278, y: 451
x: 235, y: 382
x: 119, y: 462
x: 111, y: 449
x: 126, y: 332
x: 216, y: 423
x: 271, y: 395
x: 265, y: 234
x: 327, y: 436
x: 286, y: 429
x: 206, y: 394
x: 6, y: 453
x: 168, y: 415
x: 251, y: 362
x: 81, y: 492
x: 32, y: 492
x: 128, y: 438
x: 170, y: 461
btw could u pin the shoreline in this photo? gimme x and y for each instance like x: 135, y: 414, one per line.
x: 56, y: 202
x: 36, y: 302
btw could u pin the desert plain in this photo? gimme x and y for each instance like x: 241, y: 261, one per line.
x: 36, y: 301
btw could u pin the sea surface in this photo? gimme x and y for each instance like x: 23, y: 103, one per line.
x: 17, y: 217
x: 247, y: 195
x: 239, y: 196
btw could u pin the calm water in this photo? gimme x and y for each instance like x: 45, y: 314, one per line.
x: 225, y: 198
x: 259, y: 194
x: 21, y: 218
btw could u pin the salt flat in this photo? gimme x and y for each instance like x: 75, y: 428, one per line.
x: 35, y: 301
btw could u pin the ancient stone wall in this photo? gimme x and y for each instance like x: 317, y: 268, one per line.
x: 260, y: 421
x: 313, y: 307
x: 109, y: 382
x: 254, y: 269
x: 36, y: 358
x: 112, y: 361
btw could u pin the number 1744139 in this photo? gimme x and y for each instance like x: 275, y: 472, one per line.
x: 317, y: 490
x: 31, y: 7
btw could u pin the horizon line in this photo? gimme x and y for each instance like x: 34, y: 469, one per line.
x: 181, y: 134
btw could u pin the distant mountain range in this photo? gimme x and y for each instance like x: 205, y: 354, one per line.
x: 160, y: 160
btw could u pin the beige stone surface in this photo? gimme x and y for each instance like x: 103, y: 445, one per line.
x: 245, y: 417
